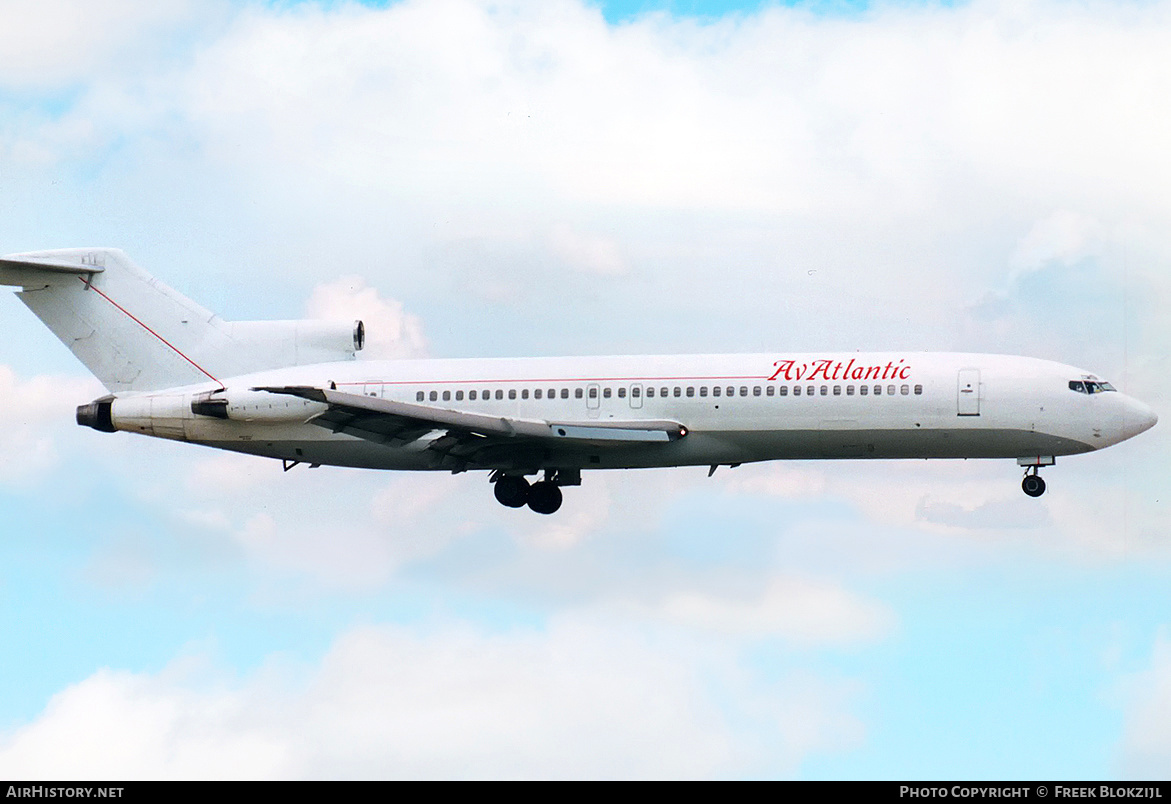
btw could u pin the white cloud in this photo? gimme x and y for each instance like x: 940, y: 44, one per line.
x: 591, y: 254
x: 1063, y: 236
x: 802, y: 610
x: 390, y: 331
x: 1145, y: 750
x: 53, y: 43
x: 36, y: 410
x: 574, y: 700
x: 786, y: 480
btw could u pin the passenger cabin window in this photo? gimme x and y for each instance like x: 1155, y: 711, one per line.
x: 606, y: 393
x: 769, y: 391
x: 512, y: 393
x: 622, y: 393
x: 433, y: 396
x: 691, y: 390
x: 783, y: 390
x: 824, y: 390
x: 447, y: 396
x: 837, y: 390
x: 636, y: 391
x: 703, y: 390
x: 678, y: 390
x: 565, y: 393
x: 919, y: 390
x: 756, y: 390
x: 715, y: 391
x: 863, y: 389
x: 524, y: 393
x: 472, y: 395
x: 593, y: 392
x: 459, y: 396
x: 420, y: 396
x: 796, y: 390
x: 849, y: 390
x: 649, y: 391
x: 537, y: 393
x: 577, y: 394
x: 499, y: 393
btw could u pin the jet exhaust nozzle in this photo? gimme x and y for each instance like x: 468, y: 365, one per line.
x: 98, y: 415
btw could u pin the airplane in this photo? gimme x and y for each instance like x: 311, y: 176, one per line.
x: 295, y: 391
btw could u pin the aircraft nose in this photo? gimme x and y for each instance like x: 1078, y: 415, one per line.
x: 1138, y: 418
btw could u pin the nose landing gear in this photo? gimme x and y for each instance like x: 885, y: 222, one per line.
x: 1033, y: 485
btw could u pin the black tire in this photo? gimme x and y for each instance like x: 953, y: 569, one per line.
x: 544, y: 497
x: 512, y: 491
x: 1033, y: 485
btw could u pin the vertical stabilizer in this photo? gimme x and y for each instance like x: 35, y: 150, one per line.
x: 136, y: 334
x: 130, y: 330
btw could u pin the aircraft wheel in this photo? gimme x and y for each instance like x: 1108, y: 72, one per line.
x: 544, y: 497
x: 1033, y: 485
x: 512, y: 490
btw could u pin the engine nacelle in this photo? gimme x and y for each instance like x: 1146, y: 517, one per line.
x: 161, y: 415
x: 244, y: 405
x: 170, y: 415
x: 273, y: 344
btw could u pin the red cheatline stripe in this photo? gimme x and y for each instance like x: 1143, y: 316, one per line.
x: 90, y: 286
x: 555, y: 380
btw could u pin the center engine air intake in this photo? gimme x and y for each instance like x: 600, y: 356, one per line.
x: 276, y: 344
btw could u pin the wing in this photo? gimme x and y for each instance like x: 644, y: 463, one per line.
x: 465, y: 439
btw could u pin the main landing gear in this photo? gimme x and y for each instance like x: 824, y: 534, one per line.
x: 544, y: 496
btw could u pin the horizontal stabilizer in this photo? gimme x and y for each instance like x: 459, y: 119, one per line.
x: 34, y: 269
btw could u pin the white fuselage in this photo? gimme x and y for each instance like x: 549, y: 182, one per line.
x: 733, y: 409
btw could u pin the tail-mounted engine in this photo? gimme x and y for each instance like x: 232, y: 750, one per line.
x: 98, y: 415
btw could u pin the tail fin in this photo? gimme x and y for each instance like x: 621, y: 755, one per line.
x: 136, y: 334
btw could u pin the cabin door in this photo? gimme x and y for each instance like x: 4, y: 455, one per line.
x: 968, y: 393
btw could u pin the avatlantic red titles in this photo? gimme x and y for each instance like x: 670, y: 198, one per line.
x: 838, y: 370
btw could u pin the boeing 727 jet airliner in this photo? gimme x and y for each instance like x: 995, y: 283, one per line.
x: 293, y: 390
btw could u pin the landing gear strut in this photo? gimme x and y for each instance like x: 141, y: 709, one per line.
x: 544, y: 496
x: 1033, y: 485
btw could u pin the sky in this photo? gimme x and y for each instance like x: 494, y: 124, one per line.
x: 505, y: 178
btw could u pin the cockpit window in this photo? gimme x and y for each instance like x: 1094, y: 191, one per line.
x: 1090, y: 386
